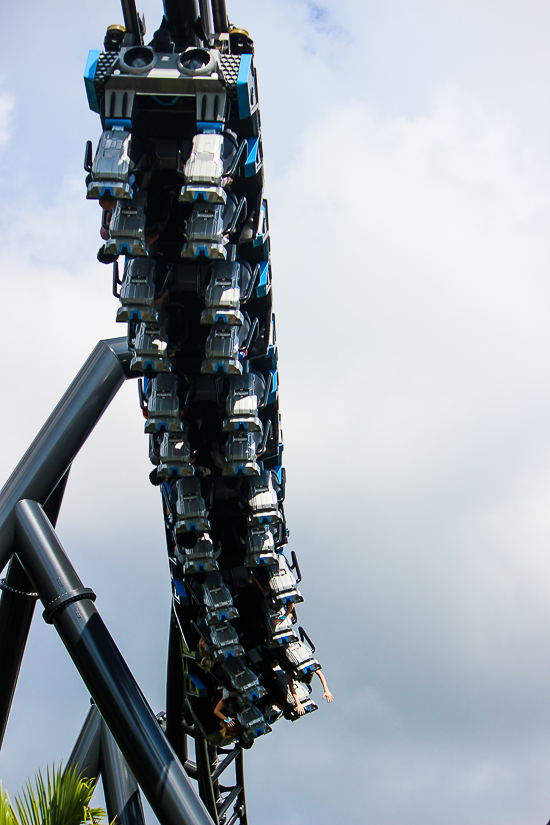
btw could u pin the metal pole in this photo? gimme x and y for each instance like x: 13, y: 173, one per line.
x: 68, y: 605
x: 206, y: 17
x: 85, y: 754
x: 131, y: 21
x: 204, y: 777
x: 239, y: 777
x: 63, y: 434
x: 221, y: 22
x: 16, y: 612
x: 175, y: 696
x: 119, y: 786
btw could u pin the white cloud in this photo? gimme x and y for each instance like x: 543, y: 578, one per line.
x: 415, y: 290
x: 7, y: 104
x: 412, y: 299
x: 418, y: 284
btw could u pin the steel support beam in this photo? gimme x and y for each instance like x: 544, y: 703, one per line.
x: 84, y: 757
x: 206, y: 17
x: 175, y: 692
x: 122, y: 797
x: 97, y: 754
x: 68, y: 605
x: 63, y: 434
x: 131, y: 21
x: 239, y: 775
x: 221, y: 22
x: 225, y: 762
x: 16, y: 612
x: 204, y: 768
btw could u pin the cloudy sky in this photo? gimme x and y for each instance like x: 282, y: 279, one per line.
x: 407, y: 160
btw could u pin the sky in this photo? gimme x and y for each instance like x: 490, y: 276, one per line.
x: 407, y: 162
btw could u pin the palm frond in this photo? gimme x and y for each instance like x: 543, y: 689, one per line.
x: 7, y: 815
x: 62, y: 799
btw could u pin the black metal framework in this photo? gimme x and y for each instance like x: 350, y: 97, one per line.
x: 121, y: 740
x: 224, y: 798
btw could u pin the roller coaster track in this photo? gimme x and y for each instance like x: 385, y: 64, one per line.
x: 178, y: 172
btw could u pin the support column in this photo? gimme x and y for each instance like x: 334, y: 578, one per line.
x: 68, y: 605
x: 121, y: 791
x: 175, y: 695
x: 85, y: 754
x: 221, y: 23
x: 16, y: 612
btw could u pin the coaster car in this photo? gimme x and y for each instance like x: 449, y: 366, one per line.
x: 239, y: 679
x: 241, y: 453
x: 190, y: 507
x: 228, y: 283
x: 174, y: 459
x: 127, y: 227
x: 253, y: 724
x: 110, y: 170
x: 200, y: 558
x: 262, y: 499
x: 279, y: 627
x: 260, y: 546
x: 303, y: 693
x: 179, y: 175
x: 222, y: 351
x: 210, y: 167
x: 300, y: 657
x: 137, y: 293
x: 247, y: 394
x: 163, y: 405
x: 217, y: 599
x: 282, y: 581
x: 150, y: 349
x: 224, y: 642
x: 209, y: 227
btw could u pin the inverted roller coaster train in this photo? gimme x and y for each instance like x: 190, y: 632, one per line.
x: 179, y: 175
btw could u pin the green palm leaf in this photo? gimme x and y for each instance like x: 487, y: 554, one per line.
x: 7, y: 816
x: 62, y: 799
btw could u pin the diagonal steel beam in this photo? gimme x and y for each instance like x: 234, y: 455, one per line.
x: 84, y: 756
x: 16, y: 612
x: 122, y: 797
x: 68, y: 605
